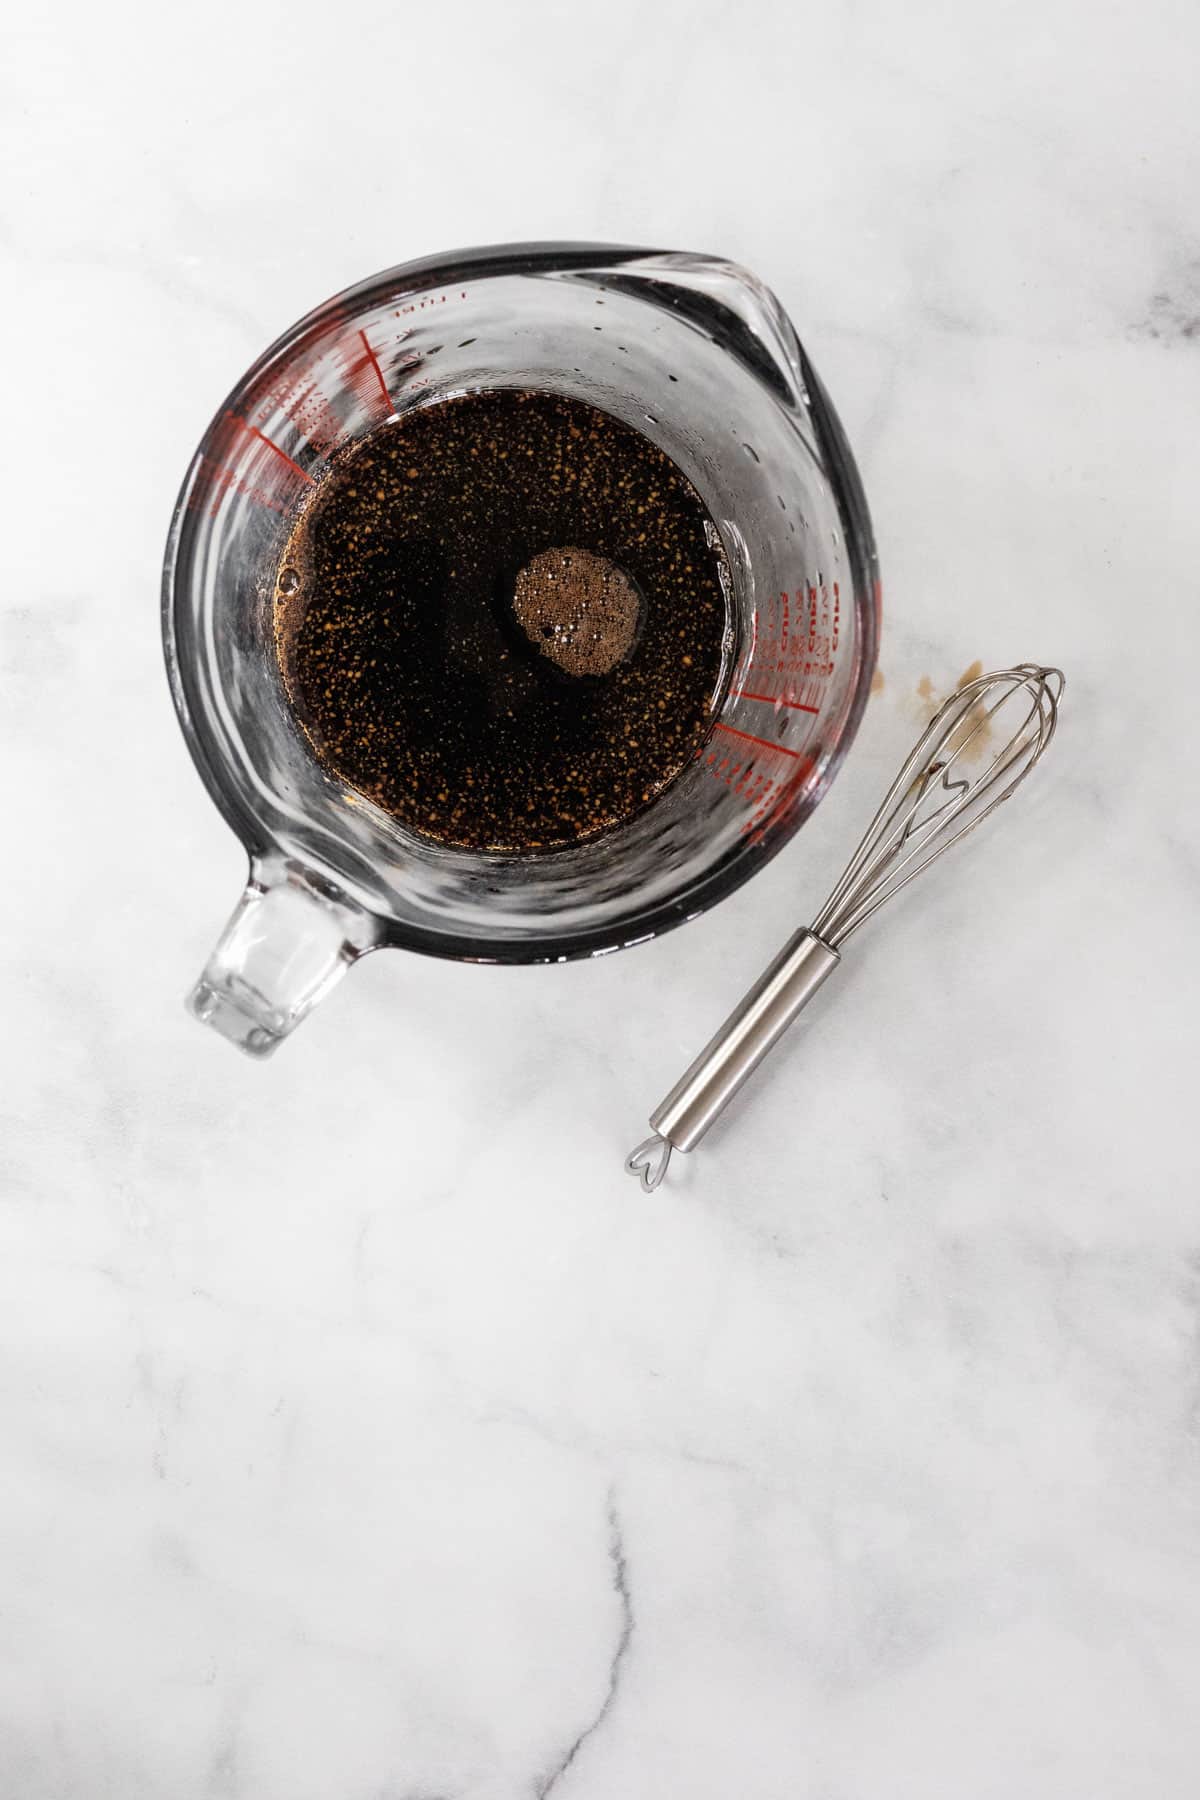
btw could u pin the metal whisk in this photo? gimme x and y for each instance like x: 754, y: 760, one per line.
x: 933, y: 803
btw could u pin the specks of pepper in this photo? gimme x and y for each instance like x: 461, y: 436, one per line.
x: 426, y: 683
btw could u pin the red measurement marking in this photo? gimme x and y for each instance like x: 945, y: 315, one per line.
x: 387, y: 398
x: 751, y: 739
x: 420, y: 305
x: 297, y: 393
x: 759, y: 792
x: 219, y: 481
x: 778, y: 700
x: 264, y: 439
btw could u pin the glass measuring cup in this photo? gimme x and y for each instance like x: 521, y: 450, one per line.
x: 693, y: 352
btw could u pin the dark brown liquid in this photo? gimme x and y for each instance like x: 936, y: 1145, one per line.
x: 502, y: 617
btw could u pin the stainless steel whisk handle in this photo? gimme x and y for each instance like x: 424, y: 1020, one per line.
x: 729, y: 1059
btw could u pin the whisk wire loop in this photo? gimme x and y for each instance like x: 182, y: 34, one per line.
x: 907, y: 835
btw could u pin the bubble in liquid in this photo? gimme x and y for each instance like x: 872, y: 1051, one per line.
x: 289, y: 581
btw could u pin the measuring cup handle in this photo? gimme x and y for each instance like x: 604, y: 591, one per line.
x: 288, y: 942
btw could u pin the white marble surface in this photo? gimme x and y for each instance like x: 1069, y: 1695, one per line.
x: 364, y: 1433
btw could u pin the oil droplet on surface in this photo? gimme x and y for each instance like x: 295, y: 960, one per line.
x: 579, y: 609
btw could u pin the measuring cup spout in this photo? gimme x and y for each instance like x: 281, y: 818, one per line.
x: 290, y: 939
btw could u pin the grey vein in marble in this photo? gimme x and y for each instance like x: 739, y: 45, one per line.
x: 620, y: 1584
